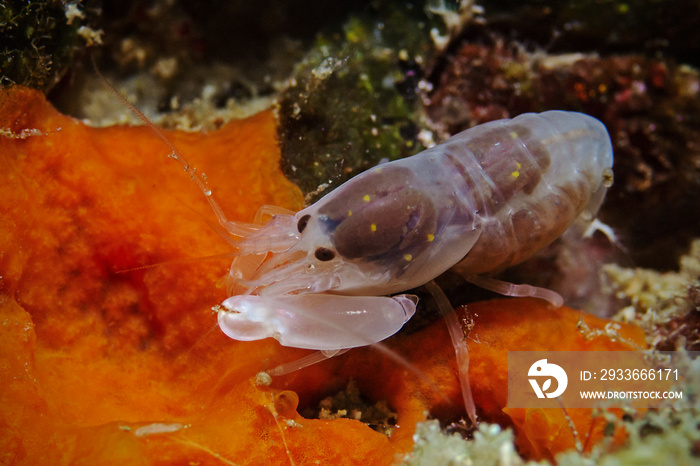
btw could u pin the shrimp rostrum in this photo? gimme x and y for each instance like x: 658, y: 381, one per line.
x: 484, y: 200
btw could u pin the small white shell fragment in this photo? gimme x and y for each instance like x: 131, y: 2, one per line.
x: 158, y: 428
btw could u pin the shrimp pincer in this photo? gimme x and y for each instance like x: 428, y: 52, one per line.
x: 486, y: 199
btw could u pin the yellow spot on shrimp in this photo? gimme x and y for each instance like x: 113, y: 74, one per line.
x: 349, y: 213
x: 516, y: 172
x: 366, y: 198
x: 431, y: 237
x: 373, y: 227
x: 408, y: 257
x: 513, y: 135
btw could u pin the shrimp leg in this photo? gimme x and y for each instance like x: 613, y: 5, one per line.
x: 306, y: 361
x: 519, y: 290
x: 459, y: 344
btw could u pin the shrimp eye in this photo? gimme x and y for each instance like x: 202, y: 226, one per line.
x: 324, y: 254
x: 303, y: 221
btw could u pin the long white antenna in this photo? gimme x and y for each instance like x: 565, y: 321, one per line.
x: 235, y: 228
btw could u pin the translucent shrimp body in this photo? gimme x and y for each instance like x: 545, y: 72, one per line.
x: 485, y: 199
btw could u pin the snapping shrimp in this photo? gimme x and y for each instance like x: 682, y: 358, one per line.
x: 486, y: 199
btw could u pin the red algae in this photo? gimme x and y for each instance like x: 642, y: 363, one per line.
x: 103, y: 362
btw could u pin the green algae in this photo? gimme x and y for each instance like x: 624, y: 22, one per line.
x: 355, y: 100
x: 40, y: 39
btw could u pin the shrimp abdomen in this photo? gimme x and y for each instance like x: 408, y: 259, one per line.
x: 536, y: 174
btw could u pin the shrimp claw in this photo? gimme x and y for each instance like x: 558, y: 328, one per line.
x: 316, y: 321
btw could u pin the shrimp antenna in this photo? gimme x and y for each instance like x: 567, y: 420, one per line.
x: 235, y: 228
x: 187, y: 260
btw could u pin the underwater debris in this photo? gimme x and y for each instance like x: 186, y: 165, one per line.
x: 349, y: 403
x: 649, y: 27
x: 491, y: 446
x: 663, y: 303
